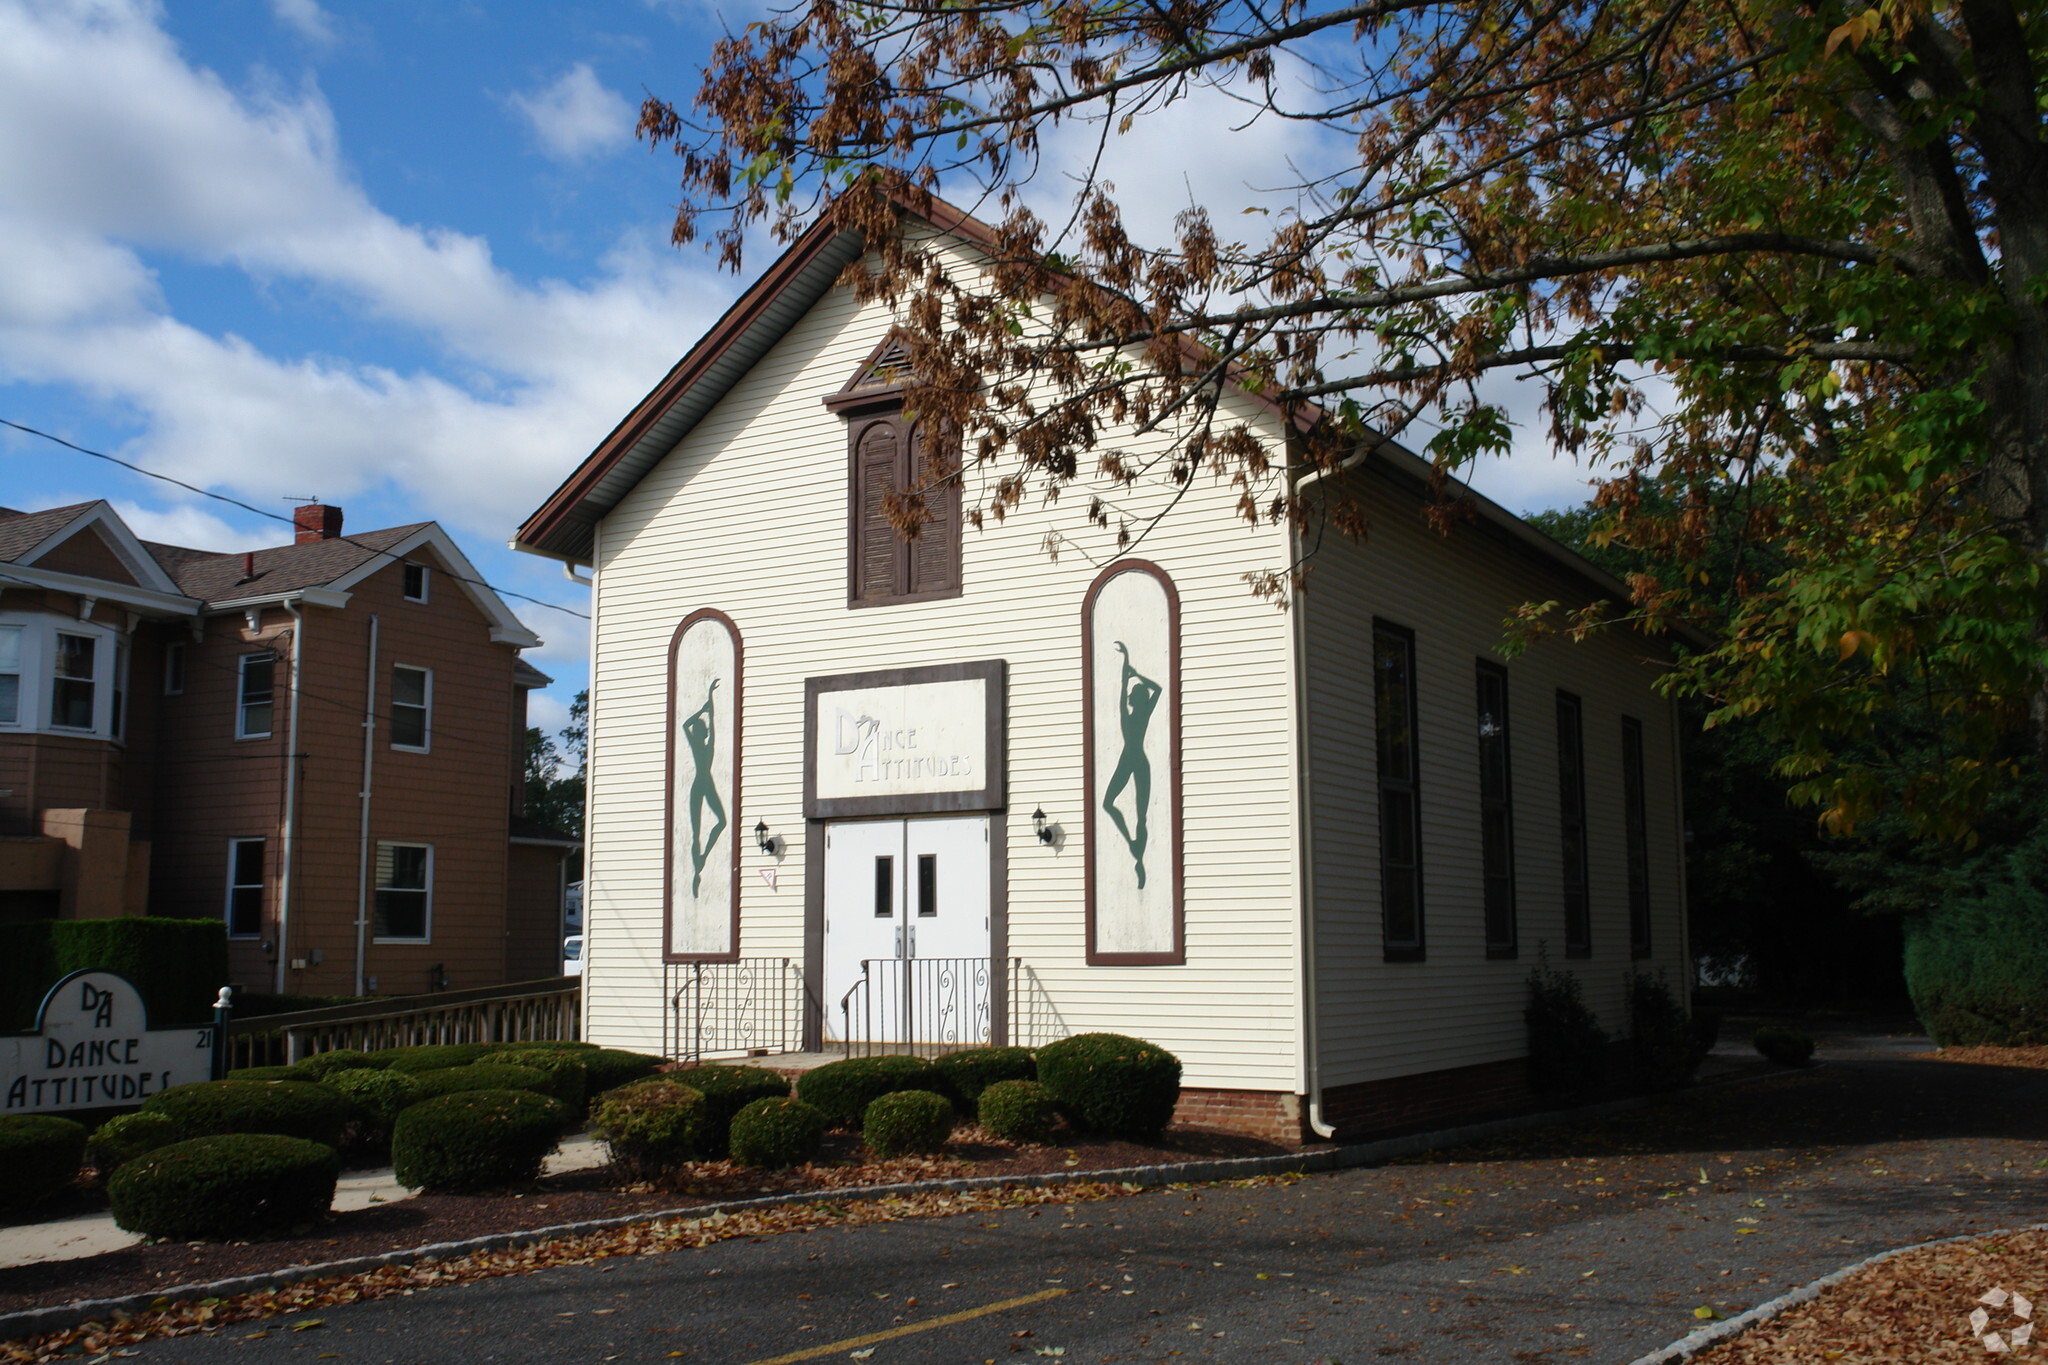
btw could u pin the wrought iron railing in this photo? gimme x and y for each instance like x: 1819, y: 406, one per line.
x: 921, y: 1005
x: 755, y: 1005
x: 549, y: 1010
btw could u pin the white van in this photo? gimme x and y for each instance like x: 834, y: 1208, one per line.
x: 572, y: 955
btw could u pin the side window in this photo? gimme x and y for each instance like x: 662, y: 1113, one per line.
x: 412, y: 700
x: 1496, y: 812
x: 73, y: 672
x: 1571, y: 816
x: 1393, y: 659
x: 244, y: 908
x: 1638, y: 824
x: 174, y: 669
x: 256, y: 696
x: 120, y: 728
x: 415, y: 582
x: 405, y: 890
x: 10, y: 675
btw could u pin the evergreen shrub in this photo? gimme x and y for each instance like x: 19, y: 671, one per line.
x: 548, y: 1044
x: 1785, y: 1046
x: 726, y: 1091
x: 650, y: 1128
x: 1567, y: 1047
x: 322, y: 1065
x: 268, y: 1073
x: 842, y: 1091
x: 451, y: 1080
x: 907, y: 1121
x: 1977, y: 962
x: 1017, y: 1111
x: 1112, y: 1085
x: 611, y: 1067
x: 975, y: 1070
x: 1664, y: 1048
x: 41, y: 1155
x: 229, y: 1187
x: 563, y: 1066
x: 475, y: 1140
x: 772, y: 1133
x: 297, y: 1109
x: 378, y: 1097
x: 124, y: 1137
x: 177, y: 965
x: 433, y: 1056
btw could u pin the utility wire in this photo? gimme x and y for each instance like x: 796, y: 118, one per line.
x: 276, y: 516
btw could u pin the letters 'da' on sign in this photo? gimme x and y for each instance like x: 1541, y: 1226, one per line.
x: 1130, y: 670
x: 702, y: 895
x: 93, y: 1048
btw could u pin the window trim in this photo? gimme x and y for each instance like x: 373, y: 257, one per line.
x: 1390, y: 950
x: 1501, y: 949
x: 1635, y: 802
x: 1573, y: 812
x: 426, y: 708
x: 261, y: 885
x: 874, y: 410
x: 95, y: 680
x: 405, y: 572
x: 35, y: 672
x: 175, y: 658
x: 427, y: 916
x: 242, y: 702
x: 23, y: 693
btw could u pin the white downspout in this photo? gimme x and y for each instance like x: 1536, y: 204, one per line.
x: 590, y: 781
x: 363, y: 844
x: 291, y: 799
x: 1311, y: 1040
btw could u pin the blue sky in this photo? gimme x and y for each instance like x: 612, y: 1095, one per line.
x: 406, y: 258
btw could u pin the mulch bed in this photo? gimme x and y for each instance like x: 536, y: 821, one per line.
x: 1915, y: 1307
x: 568, y: 1198
x: 2035, y: 1058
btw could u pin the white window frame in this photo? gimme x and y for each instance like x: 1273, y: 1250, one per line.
x: 261, y: 884
x: 102, y: 701
x: 175, y: 659
x: 123, y: 701
x: 405, y: 569
x: 19, y: 672
x: 242, y: 730
x: 427, y: 915
x: 425, y: 708
x: 37, y: 662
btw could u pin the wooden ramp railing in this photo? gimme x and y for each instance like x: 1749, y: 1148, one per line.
x: 549, y: 1010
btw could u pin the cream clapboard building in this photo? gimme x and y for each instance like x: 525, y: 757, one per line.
x: 966, y: 790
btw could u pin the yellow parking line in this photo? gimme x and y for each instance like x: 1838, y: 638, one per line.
x: 855, y: 1343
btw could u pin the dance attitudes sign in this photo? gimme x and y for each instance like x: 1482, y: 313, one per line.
x: 909, y: 741
x: 93, y: 1048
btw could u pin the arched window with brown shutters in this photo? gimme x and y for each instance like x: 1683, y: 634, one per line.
x: 889, y: 458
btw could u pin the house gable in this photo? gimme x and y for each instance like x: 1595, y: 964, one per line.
x: 86, y: 553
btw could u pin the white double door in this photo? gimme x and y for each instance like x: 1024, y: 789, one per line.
x: 907, y: 930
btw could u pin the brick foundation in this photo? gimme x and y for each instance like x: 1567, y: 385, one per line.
x: 1267, y: 1114
x: 1433, y: 1099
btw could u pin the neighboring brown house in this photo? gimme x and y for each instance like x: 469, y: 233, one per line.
x: 319, y: 742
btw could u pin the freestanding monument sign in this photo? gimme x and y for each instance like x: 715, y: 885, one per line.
x: 93, y: 1048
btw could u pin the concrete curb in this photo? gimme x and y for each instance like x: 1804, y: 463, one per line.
x: 1721, y: 1331
x: 57, y: 1317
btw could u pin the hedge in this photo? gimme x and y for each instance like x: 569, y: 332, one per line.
x: 178, y: 965
x: 267, y: 1073
x: 1977, y: 965
x: 842, y: 1091
x: 906, y: 1122
x: 1664, y: 1047
x: 562, y: 1066
x: 976, y: 1069
x: 726, y: 1091
x: 41, y: 1155
x: 453, y: 1080
x: 322, y: 1065
x: 650, y: 1128
x: 477, y: 1140
x: 297, y: 1109
x: 229, y: 1187
x: 769, y: 1134
x: 611, y: 1067
x: 434, y: 1056
x: 1110, y: 1084
x: 378, y: 1097
x: 1567, y: 1047
x: 1017, y: 1111
x: 124, y: 1137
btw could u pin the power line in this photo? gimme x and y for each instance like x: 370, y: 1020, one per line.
x: 274, y: 516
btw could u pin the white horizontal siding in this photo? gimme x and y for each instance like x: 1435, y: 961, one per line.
x: 748, y: 515
x: 1379, y: 1019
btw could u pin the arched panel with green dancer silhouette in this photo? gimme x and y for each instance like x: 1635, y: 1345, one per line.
x: 702, y: 895
x: 1131, y: 663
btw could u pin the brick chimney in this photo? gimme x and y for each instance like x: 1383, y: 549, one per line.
x: 317, y: 521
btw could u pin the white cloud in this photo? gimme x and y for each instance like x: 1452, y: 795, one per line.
x: 190, y: 527
x: 307, y: 19
x: 576, y: 116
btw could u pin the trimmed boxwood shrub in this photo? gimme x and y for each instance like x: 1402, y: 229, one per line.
x: 649, y: 1128
x: 433, y: 1056
x: 726, y: 1091
x: 975, y: 1070
x: 1112, y: 1085
x: 611, y: 1068
x: 297, y: 1109
x: 907, y: 1121
x: 225, y: 1188
x: 124, y: 1137
x: 321, y: 1065
x: 268, y: 1073
x: 1785, y: 1046
x: 1567, y: 1047
x: 378, y: 1098
x: 1017, y: 1111
x: 842, y: 1091
x: 563, y: 1066
x: 451, y: 1080
x: 771, y: 1133
x: 1664, y: 1048
x: 41, y: 1154
x: 548, y: 1043
x: 475, y: 1140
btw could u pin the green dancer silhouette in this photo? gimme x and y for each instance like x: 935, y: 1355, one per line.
x: 702, y: 735
x: 1137, y: 696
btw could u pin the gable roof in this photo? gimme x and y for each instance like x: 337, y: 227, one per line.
x: 27, y: 538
